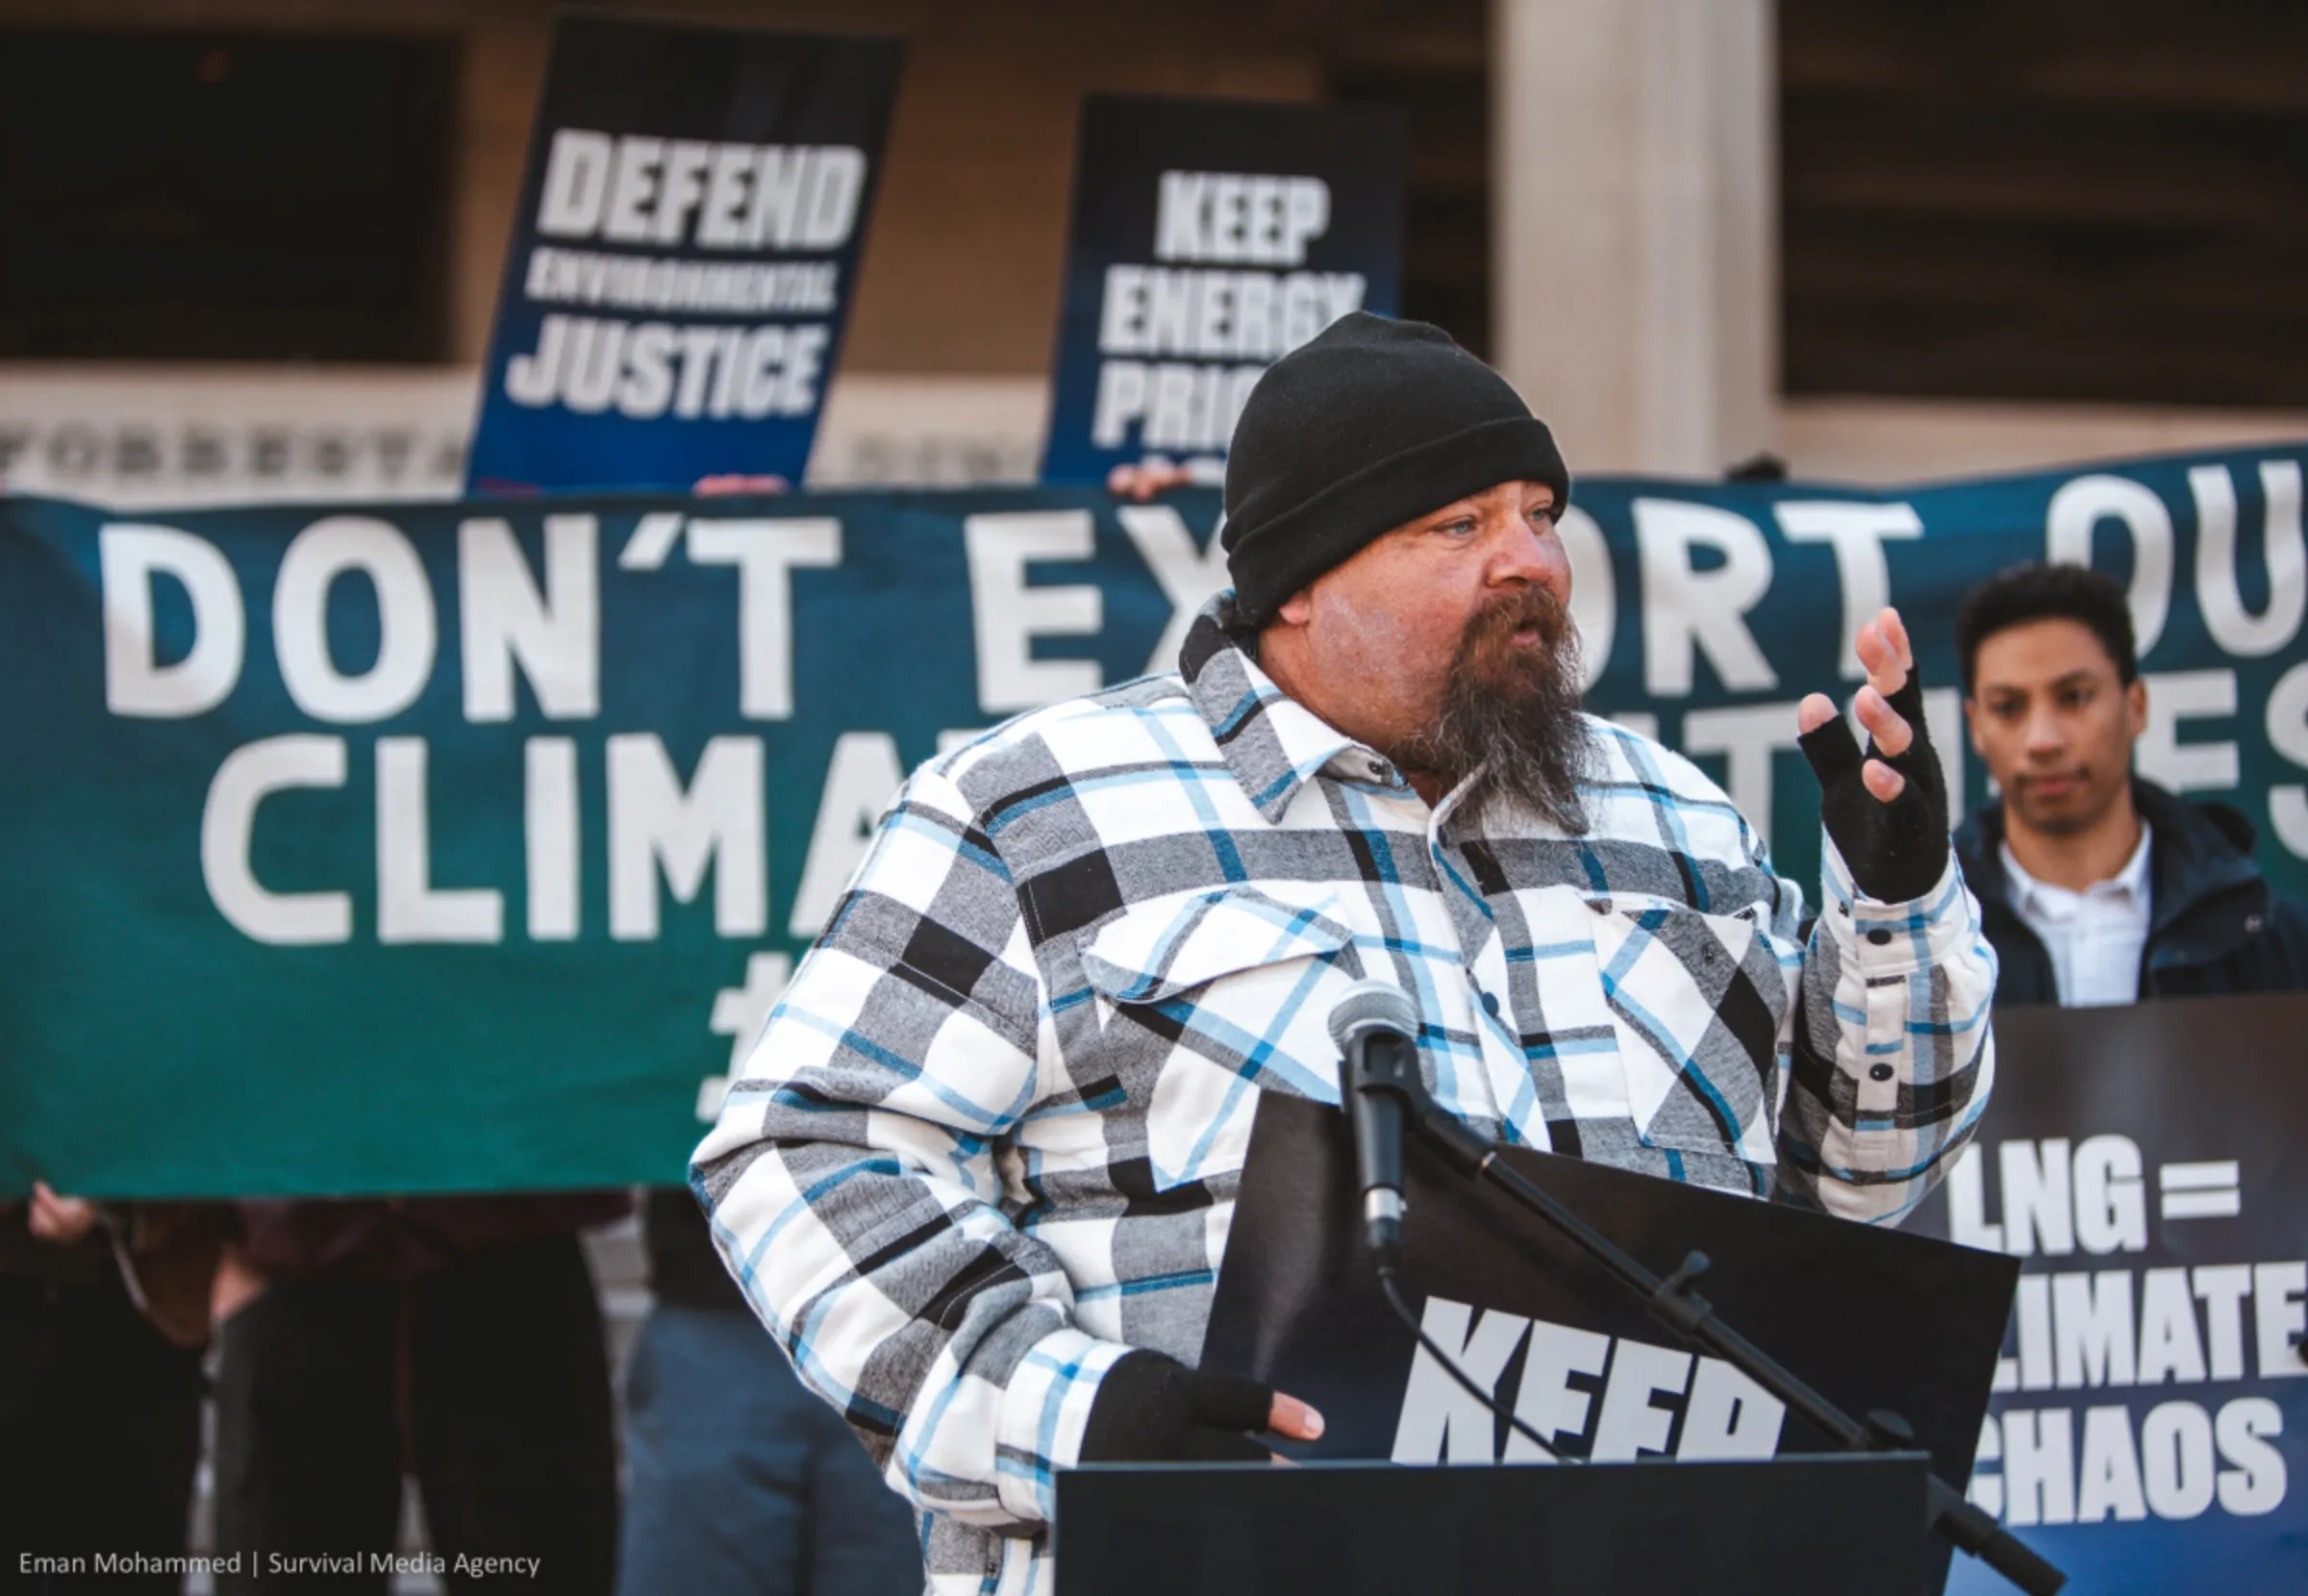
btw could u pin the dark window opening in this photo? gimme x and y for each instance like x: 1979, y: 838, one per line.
x: 225, y: 197
x: 1437, y: 69
x: 2087, y: 200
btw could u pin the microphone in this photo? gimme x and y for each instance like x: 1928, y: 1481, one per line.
x: 1376, y: 1027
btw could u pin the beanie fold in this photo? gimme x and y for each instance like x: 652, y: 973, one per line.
x: 1276, y: 558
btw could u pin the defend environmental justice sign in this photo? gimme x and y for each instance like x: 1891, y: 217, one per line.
x: 1209, y: 238
x: 420, y: 847
x: 2149, y: 1427
x: 683, y: 261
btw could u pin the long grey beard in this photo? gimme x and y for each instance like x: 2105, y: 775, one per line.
x: 1511, y: 716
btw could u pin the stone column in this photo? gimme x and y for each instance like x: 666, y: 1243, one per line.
x: 1636, y: 226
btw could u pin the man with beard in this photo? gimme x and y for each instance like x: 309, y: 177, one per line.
x: 978, y: 1172
x: 2095, y: 885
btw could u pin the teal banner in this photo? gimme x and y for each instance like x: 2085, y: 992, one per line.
x: 438, y: 847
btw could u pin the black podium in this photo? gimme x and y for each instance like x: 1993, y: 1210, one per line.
x: 1842, y: 1525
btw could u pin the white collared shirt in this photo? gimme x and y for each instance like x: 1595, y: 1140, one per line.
x: 2095, y: 936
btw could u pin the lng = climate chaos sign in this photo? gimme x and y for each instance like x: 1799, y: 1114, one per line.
x: 2145, y: 1167
x: 689, y: 232
x: 1211, y: 237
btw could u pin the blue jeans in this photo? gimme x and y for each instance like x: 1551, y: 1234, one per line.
x: 740, y: 1481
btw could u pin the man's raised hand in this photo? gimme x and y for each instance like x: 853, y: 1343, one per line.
x: 1886, y: 810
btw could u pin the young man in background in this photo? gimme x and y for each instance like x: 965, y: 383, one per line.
x: 2097, y: 886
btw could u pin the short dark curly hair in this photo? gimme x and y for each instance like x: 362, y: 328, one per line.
x: 2037, y: 591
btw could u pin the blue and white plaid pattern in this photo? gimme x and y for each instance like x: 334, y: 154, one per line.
x: 990, y: 1137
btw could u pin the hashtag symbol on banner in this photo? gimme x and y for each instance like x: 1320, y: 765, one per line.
x: 738, y: 1014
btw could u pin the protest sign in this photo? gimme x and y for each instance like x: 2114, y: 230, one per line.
x: 2145, y: 1166
x: 436, y: 846
x: 1209, y: 238
x: 684, y: 255
x: 1871, y: 1318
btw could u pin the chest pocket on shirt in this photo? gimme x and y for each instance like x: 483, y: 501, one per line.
x: 1698, y: 1001
x: 1236, y: 984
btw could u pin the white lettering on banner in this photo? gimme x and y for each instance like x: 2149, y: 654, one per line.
x: 1686, y: 609
x: 2171, y: 1345
x: 740, y: 1013
x: 2109, y: 1479
x: 720, y: 821
x: 551, y: 836
x: 502, y: 617
x: 332, y: 547
x: 2039, y: 1467
x: 671, y: 283
x: 2116, y: 1329
x: 2175, y: 696
x: 2223, y: 1291
x: 1752, y: 735
x: 1631, y: 1424
x: 2280, y: 1317
x: 1593, y: 591
x: 2076, y: 512
x: 1441, y: 1421
x: 1728, y: 1416
x: 409, y: 908
x: 2168, y: 1469
x: 129, y: 557
x: 1181, y: 405
x: 587, y: 364
x: 2217, y: 593
x: 1237, y: 217
x: 1856, y: 531
x: 1546, y: 1401
x: 2092, y: 1337
x: 639, y: 189
x: 766, y: 553
x: 2096, y: 1194
x: 859, y: 780
x: 1188, y: 575
x: 248, y: 776
x: 1723, y: 1415
x: 576, y: 182
x: 2288, y: 735
x: 1220, y: 315
x: 652, y: 541
x: 1007, y: 615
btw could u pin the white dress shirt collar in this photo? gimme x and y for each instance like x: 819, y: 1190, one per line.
x: 2095, y: 937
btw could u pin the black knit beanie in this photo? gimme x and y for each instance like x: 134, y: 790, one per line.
x: 1370, y: 424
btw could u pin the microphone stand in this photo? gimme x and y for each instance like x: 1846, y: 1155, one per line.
x: 1672, y: 1301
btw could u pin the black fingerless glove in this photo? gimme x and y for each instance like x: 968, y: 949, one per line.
x: 1896, y: 851
x: 1155, y: 1410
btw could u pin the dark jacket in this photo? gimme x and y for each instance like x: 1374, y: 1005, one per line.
x: 2214, y: 926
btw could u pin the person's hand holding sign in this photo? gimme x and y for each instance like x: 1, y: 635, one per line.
x: 1886, y: 810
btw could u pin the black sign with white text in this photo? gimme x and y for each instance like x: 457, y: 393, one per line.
x: 1209, y: 238
x: 2145, y: 1166
x: 681, y: 258
x: 1873, y: 1318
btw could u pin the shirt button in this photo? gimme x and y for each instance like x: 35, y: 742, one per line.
x: 1880, y: 936
x: 1879, y: 1072
x: 1491, y: 1004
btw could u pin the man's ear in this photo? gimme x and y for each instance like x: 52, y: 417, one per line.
x: 1296, y: 610
x: 2134, y: 704
x: 1972, y: 724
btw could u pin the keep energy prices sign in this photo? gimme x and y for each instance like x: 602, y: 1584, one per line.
x: 2149, y: 1427
x: 1209, y: 238
x: 687, y: 237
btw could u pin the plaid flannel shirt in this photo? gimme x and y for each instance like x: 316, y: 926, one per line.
x: 990, y: 1137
